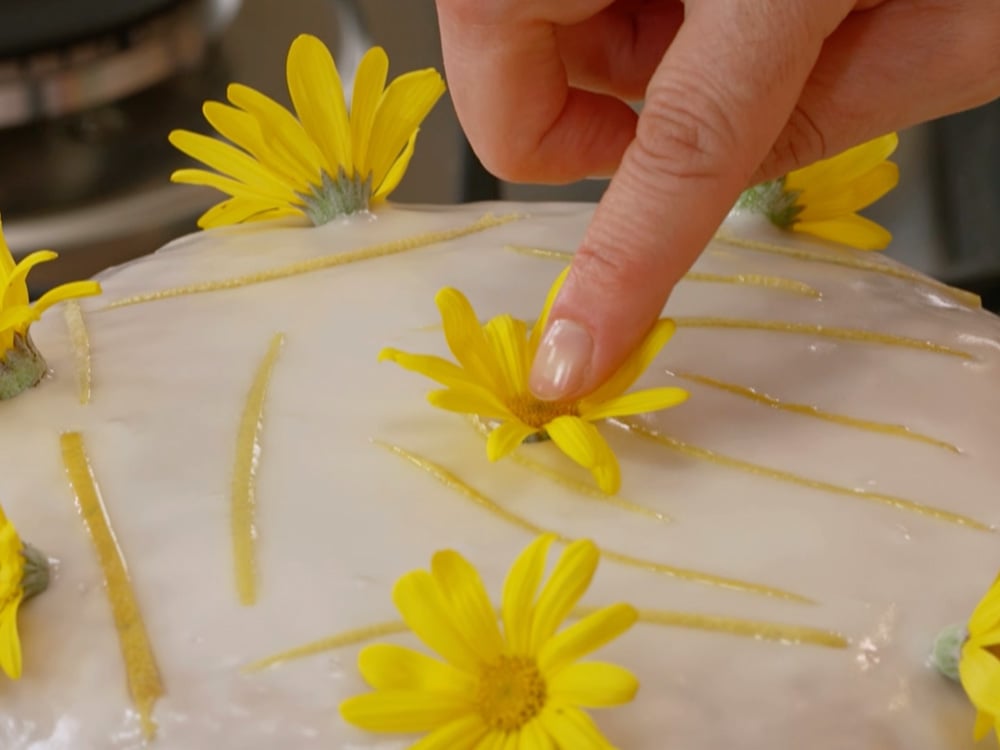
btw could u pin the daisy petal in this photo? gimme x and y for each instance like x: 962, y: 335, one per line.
x: 543, y: 319
x: 980, y: 674
x: 10, y: 641
x: 593, y: 685
x: 852, y: 230
x: 572, y: 728
x: 231, y: 162
x: 243, y: 130
x: 390, y: 667
x: 844, y: 167
x: 72, y: 290
x: 396, y: 172
x: 461, y: 734
x: 465, y: 591
x: 441, y: 370
x: 403, y: 710
x: 506, y: 437
x: 987, y: 613
x: 278, y: 126
x: 465, y: 336
x: 569, y: 581
x: 984, y: 723
x: 226, y: 185
x: 585, y: 636
x: 639, y: 402
x: 851, y: 197
x: 534, y: 737
x: 582, y: 442
x: 492, y: 741
x: 318, y: 97
x: 16, y: 290
x: 506, y: 336
x: 467, y: 399
x: 16, y: 318
x: 403, y: 106
x: 240, y: 210
x: 429, y: 615
x: 519, y: 592
x: 369, y: 82
x: 637, y: 363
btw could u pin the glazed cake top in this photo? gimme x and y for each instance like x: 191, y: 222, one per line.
x: 842, y: 482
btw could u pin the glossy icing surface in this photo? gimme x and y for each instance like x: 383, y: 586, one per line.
x: 338, y: 517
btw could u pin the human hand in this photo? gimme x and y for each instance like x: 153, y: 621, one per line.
x: 736, y: 91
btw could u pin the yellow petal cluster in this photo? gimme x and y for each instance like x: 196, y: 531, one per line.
x: 491, y: 381
x: 979, y: 666
x: 11, y: 595
x: 823, y: 199
x: 322, y: 161
x: 17, y: 313
x: 518, y: 684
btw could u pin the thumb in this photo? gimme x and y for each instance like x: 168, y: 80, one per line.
x: 715, y: 105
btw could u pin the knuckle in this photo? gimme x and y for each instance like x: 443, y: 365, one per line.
x: 605, y: 275
x: 685, y: 131
x: 802, y: 141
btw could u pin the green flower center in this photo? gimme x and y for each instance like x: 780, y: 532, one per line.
x: 510, y: 693
x: 538, y: 413
x: 335, y: 197
x: 21, y: 367
x: 771, y: 198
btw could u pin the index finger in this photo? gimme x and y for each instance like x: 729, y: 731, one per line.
x: 719, y: 99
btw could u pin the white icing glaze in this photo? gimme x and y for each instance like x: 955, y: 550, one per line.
x: 339, y: 519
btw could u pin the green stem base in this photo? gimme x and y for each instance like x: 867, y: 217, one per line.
x: 21, y: 367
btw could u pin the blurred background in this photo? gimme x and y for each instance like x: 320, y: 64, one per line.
x: 89, y: 91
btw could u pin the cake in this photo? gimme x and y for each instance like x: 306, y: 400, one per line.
x: 230, y: 483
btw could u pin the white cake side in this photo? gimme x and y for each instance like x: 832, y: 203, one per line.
x: 340, y: 518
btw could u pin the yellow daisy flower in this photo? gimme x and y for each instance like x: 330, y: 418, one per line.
x: 21, y: 365
x: 24, y: 573
x: 519, y: 688
x: 823, y: 198
x: 491, y: 381
x: 979, y: 665
x: 322, y: 163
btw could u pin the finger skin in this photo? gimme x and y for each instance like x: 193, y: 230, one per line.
x: 512, y: 94
x: 710, y: 117
x: 889, y: 68
x: 745, y: 91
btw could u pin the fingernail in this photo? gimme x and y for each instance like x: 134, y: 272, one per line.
x: 562, y: 361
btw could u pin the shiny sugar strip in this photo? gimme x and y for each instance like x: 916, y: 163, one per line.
x: 704, y: 454
x: 852, y: 335
x: 752, y: 394
x: 586, y: 490
x: 142, y: 674
x: 320, y: 264
x: 243, y: 495
x: 776, y: 283
x: 758, y: 630
x: 80, y: 341
x: 849, y: 261
x: 452, y: 482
